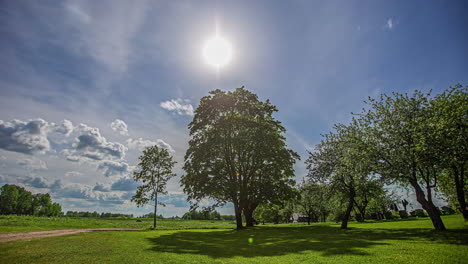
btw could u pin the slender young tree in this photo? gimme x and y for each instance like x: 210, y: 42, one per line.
x: 156, y: 169
x: 341, y: 161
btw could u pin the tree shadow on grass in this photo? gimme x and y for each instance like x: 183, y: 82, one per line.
x: 277, y: 241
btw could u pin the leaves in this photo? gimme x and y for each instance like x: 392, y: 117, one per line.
x: 155, y: 171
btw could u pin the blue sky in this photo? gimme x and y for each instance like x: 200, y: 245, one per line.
x: 128, y: 74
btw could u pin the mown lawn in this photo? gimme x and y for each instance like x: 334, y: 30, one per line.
x: 31, y: 223
x: 410, y: 241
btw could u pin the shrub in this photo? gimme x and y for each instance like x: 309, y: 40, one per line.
x: 447, y: 210
x: 403, y: 214
x: 388, y: 215
x: 418, y: 213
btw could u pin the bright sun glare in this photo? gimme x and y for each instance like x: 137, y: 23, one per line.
x: 217, y: 51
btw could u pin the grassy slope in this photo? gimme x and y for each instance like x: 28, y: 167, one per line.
x: 30, y: 223
x: 381, y: 242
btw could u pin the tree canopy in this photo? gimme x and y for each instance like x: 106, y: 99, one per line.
x: 155, y: 170
x: 17, y: 200
x: 237, y: 153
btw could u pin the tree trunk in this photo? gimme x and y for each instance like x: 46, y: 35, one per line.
x: 344, y: 223
x: 459, y: 184
x: 248, y: 213
x: 248, y: 218
x: 238, y: 213
x: 430, y: 208
x: 155, y: 211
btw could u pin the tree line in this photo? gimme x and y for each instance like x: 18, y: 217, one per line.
x: 96, y: 214
x: 206, y: 214
x: 16, y: 200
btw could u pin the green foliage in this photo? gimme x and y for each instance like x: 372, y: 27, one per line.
x: 314, y: 202
x: 418, y: 213
x: 403, y: 214
x: 273, y: 213
x: 342, y: 161
x: 451, y: 145
x: 206, y: 214
x: 155, y: 170
x: 446, y: 210
x: 237, y: 153
x: 16, y: 200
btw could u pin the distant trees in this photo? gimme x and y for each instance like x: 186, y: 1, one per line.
x: 96, y: 214
x: 205, y: 214
x: 155, y: 170
x: 314, y: 201
x: 16, y: 200
x: 237, y: 153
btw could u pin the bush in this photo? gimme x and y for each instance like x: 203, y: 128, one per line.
x: 138, y: 220
x: 418, y: 213
x: 389, y: 215
x: 403, y: 214
x: 447, y: 210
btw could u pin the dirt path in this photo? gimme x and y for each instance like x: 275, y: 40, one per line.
x: 5, y: 237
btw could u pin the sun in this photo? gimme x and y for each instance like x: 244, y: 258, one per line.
x: 217, y: 51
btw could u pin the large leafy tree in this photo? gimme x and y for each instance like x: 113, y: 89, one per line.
x: 450, y: 143
x: 155, y: 171
x: 17, y: 200
x: 399, y: 128
x: 237, y: 153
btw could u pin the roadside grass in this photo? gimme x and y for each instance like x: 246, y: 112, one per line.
x: 31, y: 223
x: 410, y: 241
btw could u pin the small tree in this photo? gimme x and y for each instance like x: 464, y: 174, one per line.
x: 156, y: 169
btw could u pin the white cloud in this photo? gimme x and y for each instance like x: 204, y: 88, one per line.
x: 120, y: 127
x: 32, y: 164
x: 142, y: 144
x: 90, y: 144
x: 180, y: 106
x: 72, y: 174
x: 65, y: 128
x: 390, y: 24
x: 111, y: 168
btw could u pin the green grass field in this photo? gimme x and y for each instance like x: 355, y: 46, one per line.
x: 31, y: 223
x: 411, y: 241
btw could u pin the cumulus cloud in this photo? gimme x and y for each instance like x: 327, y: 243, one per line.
x: 180, y: 106
x: 92, y: 145
x: 114, y: 167
x: 101, y: 188
x: 24, y: 137
x: 120, y: 127
x: 32, y: 164
x: 36, y: 182
x: 124, y: 184
x: 65, y: 128
x: 141, y: 144
x: 31, y: 136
